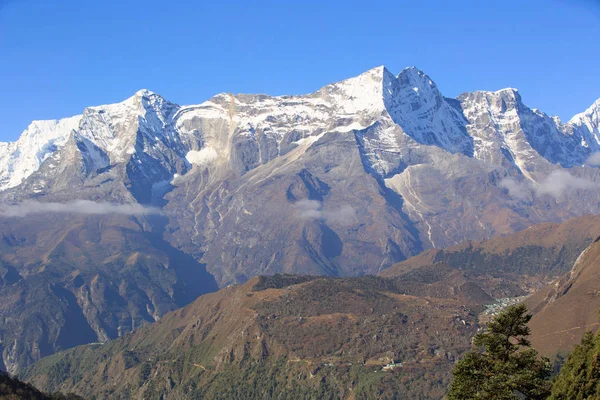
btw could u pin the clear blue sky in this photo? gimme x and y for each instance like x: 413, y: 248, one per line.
x: 57, y: 57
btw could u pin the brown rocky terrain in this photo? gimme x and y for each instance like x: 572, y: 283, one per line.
x: 568, y: 307
x: 516, y: 264
x: 67, y: 280
x: 566, y: 256
x: 286, y: 337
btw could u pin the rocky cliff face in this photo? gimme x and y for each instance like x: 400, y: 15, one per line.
x: 344, y: 181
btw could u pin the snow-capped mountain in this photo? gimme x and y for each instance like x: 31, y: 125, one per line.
x: 588, y: 123
x: 401, y: 127
x: 20, y: 159
x: 488, y: 126
x: 343, y: 181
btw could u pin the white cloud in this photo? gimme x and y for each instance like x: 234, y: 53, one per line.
x: 308, y: 209
x: 516, y: 189
x: 74, y: 207
x: 559, y: 181
x: 313, y: 209
x: 554, y: 184
x: 343, y: 216
x: 593, y: 160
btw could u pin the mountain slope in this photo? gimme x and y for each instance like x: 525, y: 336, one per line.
x: 515, y: 264
x: 563, y: 255
x: 281, y: 337
x: 567, y: 308
x: 13, y: 389
x: 66, y: 281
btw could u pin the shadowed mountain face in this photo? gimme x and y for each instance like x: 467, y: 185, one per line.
x: 73, y: 280
x: 286, y: 337
x: 345, y: 181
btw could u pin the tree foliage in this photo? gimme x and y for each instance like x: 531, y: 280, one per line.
x: 503, y: 366
x: 579, y: 378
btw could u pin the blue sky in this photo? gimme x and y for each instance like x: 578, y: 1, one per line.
x: 57, y: 57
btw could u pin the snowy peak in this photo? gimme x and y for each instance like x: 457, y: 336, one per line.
x: 496, y: 103
x: 141, y: 103
x: 111, y: 129
x: 114, y: 127
x: 589, y: 118
x: 510, y: 98
x: 594, y: 108
x: 417, y: 92
x: 587, y: 125
x: 411, y: 100
x: 144, y: 93
x: 417, y: 80
x: 592, y: 111
x: 417, y: 106
x: 20, y: 159
x: 361, y: 94
x: 377, y: 88
x: 495, y: 122
x: 505, y: 129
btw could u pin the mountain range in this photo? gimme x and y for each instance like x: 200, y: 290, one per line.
x: 114, y: 217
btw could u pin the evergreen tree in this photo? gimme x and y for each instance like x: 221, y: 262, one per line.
x: 579, y: 378
x: 504, y: 366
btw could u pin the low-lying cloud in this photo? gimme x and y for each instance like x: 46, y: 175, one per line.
x: 593, y: 160
x: 516, y: 189
x: 74, y: 207
x: 313, y: 209
x: 559, y: 181
x: 555, y: 184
